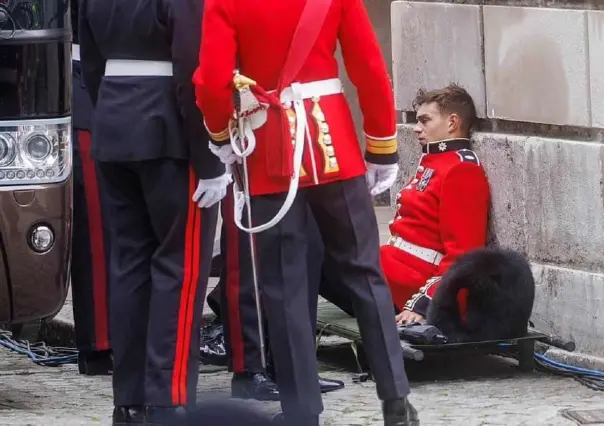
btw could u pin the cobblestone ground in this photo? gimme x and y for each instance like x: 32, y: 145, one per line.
x: 446, y: 391
x: 477, y: 391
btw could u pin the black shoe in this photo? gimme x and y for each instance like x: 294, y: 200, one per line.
x: 95, y: 363
x: 166, y: 416
x: 212, y: 349
x: 254, y: 386
x: 328, y: 385
x: 128, y: 415
x: 399, y: 412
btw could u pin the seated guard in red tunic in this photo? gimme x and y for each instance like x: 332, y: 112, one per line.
x: 442, y: 212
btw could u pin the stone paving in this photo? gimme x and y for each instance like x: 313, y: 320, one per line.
x: 446, y: 391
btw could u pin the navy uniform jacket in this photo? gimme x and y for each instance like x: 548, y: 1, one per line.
x: 145, y: 118
x: 81, y: 106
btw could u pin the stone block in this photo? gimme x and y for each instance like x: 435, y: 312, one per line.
x: 434, y: 44
x: 536, y: 65
x: 379, y: 14
x: 595, y: 23
x: 565, y: 202
x: 548, y: 199
x: 569, y: 303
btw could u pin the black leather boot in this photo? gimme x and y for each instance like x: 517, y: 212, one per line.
x: 399, y: 412
x: 95, y: 363
x: 329, y: 385
x: 256, y: 386
x: 166, y: 416
x: 128, y: 415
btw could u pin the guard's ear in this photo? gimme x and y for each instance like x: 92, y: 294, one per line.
x: 453, y: 123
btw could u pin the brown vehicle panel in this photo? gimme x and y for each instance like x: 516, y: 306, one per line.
x: 38, y: 282
x: 4, y: 293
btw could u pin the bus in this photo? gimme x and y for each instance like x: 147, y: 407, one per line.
x: 35, y: 159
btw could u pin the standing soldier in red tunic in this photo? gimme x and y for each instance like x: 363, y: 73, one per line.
x: 297, y: 134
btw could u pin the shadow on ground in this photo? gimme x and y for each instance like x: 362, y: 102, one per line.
x: 434, y: 367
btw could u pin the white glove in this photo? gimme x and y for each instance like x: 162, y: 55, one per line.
x: 225, y: 153
x: 380, y: 177
x: 211, y: 191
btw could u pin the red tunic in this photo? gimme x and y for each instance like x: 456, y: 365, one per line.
x: 259, y: 33
x: 443, y: 208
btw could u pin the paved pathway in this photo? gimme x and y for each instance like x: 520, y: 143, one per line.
x: 476, y: 391
x: 482, y: 391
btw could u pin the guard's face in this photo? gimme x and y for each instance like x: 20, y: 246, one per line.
x: 431, y: 125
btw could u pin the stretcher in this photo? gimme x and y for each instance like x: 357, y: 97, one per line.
x: 333, y: 320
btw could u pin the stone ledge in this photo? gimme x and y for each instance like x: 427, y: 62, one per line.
x: 569, y: 303
x: 575, y: 359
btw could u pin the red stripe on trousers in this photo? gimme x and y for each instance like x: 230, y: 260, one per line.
x: 233, y: 282
x: 192, y: 265
x: 97, y: 244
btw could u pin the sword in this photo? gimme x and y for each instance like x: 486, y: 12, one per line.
x: 241, y: 179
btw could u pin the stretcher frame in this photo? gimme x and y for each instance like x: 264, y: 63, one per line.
x: 331, y: 319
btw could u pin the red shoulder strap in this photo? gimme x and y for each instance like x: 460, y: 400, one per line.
x: 306, y: 34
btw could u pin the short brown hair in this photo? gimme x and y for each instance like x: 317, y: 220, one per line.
x: 452, y: 99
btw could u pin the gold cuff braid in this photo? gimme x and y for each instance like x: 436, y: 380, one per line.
x: 221, y: 136
x: 381, y: 147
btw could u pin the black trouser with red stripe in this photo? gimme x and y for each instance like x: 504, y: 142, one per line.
x: 90, y: 253
x: 160, y: 262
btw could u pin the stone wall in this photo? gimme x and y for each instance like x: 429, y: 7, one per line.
x: 536, y: 72
x: 379, y: 13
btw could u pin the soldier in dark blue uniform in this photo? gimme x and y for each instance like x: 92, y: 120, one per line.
x: 233, y: 300
x: 89, y: 278
x: 234, y: 303
x: 163, y: 186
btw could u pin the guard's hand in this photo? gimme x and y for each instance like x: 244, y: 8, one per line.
x: 408, y: 317
x: 224, y: 153
x: 211, y: 191
x: 380, y: 177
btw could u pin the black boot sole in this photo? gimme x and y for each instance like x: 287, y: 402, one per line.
x: 95, y: 368
x: 331, y: 389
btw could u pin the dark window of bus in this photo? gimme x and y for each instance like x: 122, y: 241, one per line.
x: 36, y: 14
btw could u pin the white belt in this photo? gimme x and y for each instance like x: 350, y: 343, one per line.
x: 299, y: 91
x: 136, y: 68
x: 427, y: 255
x: 75, y: 52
